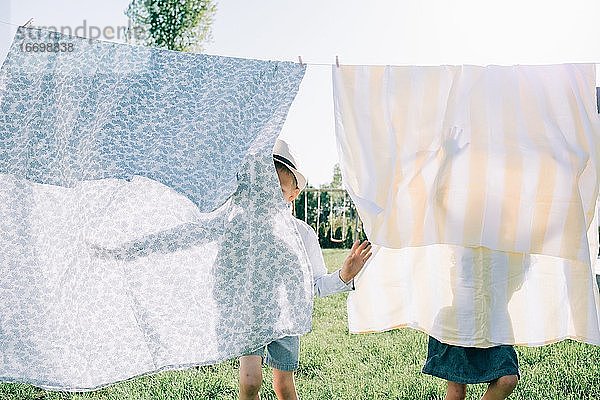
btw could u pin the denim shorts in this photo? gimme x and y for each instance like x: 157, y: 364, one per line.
x: 469, y: 364
x: 282, y: 354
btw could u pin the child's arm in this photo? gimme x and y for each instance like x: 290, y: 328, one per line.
x: 341, y: 280
x: 359, y: 254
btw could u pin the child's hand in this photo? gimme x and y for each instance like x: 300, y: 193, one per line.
x: 359, y: 254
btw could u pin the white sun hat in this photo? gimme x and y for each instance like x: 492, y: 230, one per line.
x: 283, y: 154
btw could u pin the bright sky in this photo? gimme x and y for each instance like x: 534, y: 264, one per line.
x: 421, y: 32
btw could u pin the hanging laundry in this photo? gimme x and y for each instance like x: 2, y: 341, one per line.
x: 142, y: 223
x: 478, y: 185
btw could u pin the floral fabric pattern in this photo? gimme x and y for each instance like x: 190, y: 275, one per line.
x: 142, y: 226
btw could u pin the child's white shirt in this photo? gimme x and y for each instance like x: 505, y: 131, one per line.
x: 324, y: 283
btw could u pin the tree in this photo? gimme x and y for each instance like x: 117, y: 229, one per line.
x: 338, y: 224
x: 182, y: 25
x: 336, y: 182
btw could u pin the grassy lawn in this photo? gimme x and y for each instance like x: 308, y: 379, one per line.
x: 337, y: 365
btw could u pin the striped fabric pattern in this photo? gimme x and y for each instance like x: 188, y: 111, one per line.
x: 478, y: 185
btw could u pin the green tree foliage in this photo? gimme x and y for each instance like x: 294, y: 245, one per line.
x: 182, y: 25
x: 334, y: 217
x: 336, y: 182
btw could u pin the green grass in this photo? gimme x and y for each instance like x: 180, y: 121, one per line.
x: 337, y: 365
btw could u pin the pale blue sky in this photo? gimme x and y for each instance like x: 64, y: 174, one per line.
x: 423, y: 32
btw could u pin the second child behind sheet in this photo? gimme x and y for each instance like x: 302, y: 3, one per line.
x: 283, y: 354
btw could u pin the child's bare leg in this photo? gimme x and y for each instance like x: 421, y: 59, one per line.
x: 250, y: 377
x: 501, y: 388
x: 283, y: 384
x: 455, y: 391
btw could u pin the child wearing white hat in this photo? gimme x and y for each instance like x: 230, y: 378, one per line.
x: 283, y: 354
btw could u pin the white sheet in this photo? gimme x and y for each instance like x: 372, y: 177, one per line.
x: 479, y: 186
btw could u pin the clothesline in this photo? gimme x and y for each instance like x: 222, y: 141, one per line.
x: 10, y: 23
x: 300, y: 61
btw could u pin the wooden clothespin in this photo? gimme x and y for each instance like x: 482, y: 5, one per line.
x: 337, y: 61
x: 300, y: 60
x: 26, y: 24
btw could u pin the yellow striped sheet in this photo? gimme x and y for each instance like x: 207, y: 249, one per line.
x: 478, y: 185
